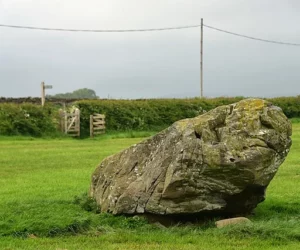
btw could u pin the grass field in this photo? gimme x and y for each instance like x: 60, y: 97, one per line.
x: 39, y: 179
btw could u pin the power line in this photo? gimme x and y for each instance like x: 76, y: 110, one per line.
x: 100, y: 31
x: 147, y: 30
x: 251, y: 37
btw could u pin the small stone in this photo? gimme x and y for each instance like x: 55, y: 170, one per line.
x: 232, y: 221
x: 32, y: 236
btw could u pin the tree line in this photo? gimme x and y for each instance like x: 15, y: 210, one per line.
x: 84, y: 93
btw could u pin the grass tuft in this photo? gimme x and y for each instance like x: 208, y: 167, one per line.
x: 87, y: 203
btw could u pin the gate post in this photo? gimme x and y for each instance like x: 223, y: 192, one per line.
x: 61, y: 120
x: 66, y: 122
x: 77, y: 121
x: 91, y: 126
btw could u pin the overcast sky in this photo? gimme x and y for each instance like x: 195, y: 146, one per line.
x: 150, y: 64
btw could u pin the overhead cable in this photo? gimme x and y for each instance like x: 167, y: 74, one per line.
x: 102, y: 30
x: 148, y: 30
x: 251, y: 37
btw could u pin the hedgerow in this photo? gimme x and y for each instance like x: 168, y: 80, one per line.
x: 27, y: 119
x: 153, y: 114
x: 146, y: 114
x: 121, y: 115
x: 289, y: 105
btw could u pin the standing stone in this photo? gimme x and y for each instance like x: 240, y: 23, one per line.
x: 220, y: 162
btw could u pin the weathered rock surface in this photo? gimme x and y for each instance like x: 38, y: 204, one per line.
x: 219, y: 162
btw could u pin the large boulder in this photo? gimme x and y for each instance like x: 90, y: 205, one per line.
x: 220, y: 162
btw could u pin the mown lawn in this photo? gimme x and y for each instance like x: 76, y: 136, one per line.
x: 39, y: 179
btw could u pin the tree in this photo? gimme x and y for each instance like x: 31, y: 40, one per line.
x: 84, y: 93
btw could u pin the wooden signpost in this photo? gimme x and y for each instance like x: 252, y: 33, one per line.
x: 43, y: 87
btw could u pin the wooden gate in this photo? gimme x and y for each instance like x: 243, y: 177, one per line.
x: 70, y: 122
x: 97, y: 124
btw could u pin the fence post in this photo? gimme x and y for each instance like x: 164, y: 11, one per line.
x: 91, y: 126
x: 66, y: 122
x: 61, y: 120
x: 77, y: 121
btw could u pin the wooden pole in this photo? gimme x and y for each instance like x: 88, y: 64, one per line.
x: 79, y: 122
x: 91, y: 126
x: 77, y: 113
x: 61, y: 120
x: 66, y: 122
x: 43, y: 93
x: 201, y: 60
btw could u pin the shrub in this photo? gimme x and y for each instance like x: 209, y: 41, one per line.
x: 26, y: 119
x: 289, y: 105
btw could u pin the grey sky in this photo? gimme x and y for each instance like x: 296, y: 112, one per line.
x: 152, y: 64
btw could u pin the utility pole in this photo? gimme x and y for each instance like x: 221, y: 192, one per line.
x: 201, y: 60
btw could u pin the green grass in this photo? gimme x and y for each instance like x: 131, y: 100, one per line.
x: 40, y: 178
x: 295, y: 120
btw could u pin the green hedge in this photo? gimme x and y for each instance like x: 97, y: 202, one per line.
x: 27, y: 119
x: 153, y: 114
x: 121, y: 115
x: 289, y: 105
x: 148, y: 114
